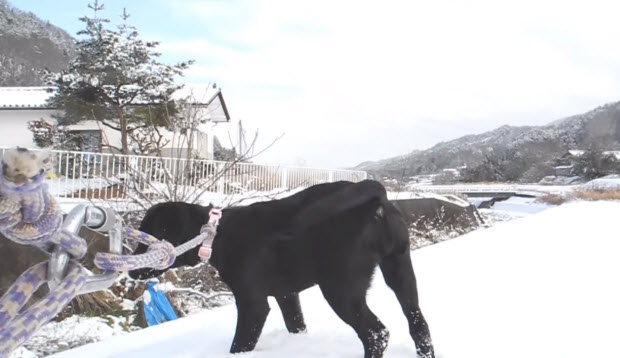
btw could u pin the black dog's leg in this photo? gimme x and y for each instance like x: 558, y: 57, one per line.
x: 251, y: 316
x: 349, y: 303
x: 291, y: 312
x: 398, y: 273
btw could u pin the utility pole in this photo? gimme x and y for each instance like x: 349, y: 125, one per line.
x: 240, y: 139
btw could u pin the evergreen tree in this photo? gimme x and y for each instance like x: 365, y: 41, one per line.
x: 488, y: 171
x: 593, y: 163
x: 116, y: 79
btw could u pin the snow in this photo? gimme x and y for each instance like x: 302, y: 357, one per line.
x: 71, y: 332
x: 63, y: 186
x: 510, y: 209
x: 609, y: 182
x: 560, y: 180
x: 479, y: 200
x: 37, y: 97
x: 579, y: 153
x: 520, y: 206
x: 540, y: 286
x: 24, y: 97
x: 404, y: 195
x: 22, y: 352
x: 164, y: 287
x: 576, y: 152
x: 146, y: 297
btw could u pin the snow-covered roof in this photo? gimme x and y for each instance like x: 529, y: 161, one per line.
x: 615, y: 153
x: 576, y: 152
x: 579, y: 153
x: 24, y: 97
x: 208, y: 97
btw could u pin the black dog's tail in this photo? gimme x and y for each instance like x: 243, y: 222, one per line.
x: 347, y: 198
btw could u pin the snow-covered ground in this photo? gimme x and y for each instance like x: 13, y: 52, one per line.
x: 610, y: 182
x: 521, y: 206
x: 517, y: 206
x: 544, y: 285
x: 510, y: 209
x: 70, y: 332
x: 63, y: 186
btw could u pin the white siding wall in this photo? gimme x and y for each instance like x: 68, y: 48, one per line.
x: 14, y: 126
x: 14, y: 132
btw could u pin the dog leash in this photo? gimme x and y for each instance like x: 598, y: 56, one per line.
x: 210, y: 229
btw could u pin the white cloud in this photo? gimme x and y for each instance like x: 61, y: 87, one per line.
x: 350, y: 81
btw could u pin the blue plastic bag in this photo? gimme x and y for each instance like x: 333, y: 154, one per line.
x: 157, y: 309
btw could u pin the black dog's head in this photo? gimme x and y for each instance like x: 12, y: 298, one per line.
x: 177, y: 223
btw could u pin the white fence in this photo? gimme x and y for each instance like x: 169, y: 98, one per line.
x: 113, y: 176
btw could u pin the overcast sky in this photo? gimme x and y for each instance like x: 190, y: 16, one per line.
x: 349, y: 81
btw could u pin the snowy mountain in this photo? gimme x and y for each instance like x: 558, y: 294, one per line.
x: 533, y: 144
x: 28, y: 46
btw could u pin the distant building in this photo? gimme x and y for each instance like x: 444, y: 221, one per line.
x: 563, y: 170
x: 20, y: 105
x: 452, y: 171
x: 567, y: 161
x: 576, y: 153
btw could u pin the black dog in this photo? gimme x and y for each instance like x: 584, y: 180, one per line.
x: 333, y: 235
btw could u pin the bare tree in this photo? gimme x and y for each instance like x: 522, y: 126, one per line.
x: 174, y: 170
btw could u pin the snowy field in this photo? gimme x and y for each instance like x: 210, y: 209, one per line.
x: 544, y: 285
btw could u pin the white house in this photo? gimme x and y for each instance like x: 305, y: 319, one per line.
x: 20, y: 105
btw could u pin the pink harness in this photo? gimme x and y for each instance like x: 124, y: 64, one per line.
x: 209, y: 230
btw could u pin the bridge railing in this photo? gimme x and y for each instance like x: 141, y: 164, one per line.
x: 466, y: 188
x: 489, y: 188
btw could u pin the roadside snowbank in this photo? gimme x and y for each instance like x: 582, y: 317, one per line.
x: 610, y: 182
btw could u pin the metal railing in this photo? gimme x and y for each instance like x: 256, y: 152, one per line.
x: 489, y: 188
x: 113, y: 176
